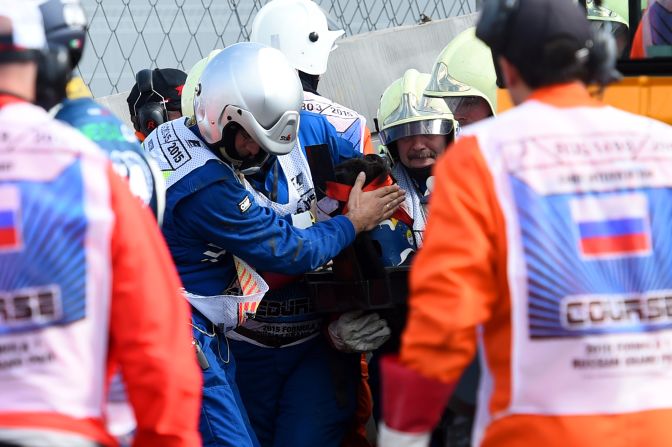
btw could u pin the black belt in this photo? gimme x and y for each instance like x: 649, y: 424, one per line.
x: 272, y: 341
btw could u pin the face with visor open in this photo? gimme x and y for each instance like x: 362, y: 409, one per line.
x: 416, y: 129
x: 464, y: 77
x: 247, y: 104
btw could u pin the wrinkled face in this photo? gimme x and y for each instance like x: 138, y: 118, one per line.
x: 245, y: 146
x: 421, y: 151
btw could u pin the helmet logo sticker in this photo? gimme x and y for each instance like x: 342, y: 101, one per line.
x: 287, y: 137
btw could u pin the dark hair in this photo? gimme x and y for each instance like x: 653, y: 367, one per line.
x: 374, y: 166
x: 562, y: 61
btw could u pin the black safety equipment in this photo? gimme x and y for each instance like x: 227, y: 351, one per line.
x: 65, y: 30
x: 150, y: 114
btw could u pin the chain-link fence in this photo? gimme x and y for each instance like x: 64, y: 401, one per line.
x: 126, y: 36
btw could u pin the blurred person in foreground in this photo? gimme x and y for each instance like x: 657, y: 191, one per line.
x: 73, y: 307
x: 66, y: 96
x: 546, y: 246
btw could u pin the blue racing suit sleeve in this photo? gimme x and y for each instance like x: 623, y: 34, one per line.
x: 226, y: 215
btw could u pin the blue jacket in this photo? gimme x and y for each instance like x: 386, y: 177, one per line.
x: 207, y: 220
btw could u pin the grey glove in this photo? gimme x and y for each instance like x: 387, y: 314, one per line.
x: 358, y: 332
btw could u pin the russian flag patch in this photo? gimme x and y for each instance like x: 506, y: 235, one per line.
x: 612, y: 226
x: 10, y: 223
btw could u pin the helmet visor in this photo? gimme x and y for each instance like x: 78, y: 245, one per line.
x: 425, y: 127
x: 469, y: 109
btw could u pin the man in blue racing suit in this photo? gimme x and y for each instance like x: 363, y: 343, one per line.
x: 288, y: 336
x: 310, y: 375
x: 218, y: 224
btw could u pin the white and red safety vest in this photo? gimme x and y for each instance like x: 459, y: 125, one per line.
x: 86, y: 286
x: 547, y: 247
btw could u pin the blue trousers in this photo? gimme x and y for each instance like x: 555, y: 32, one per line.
x: 298, y: 396
x: 223, y: 421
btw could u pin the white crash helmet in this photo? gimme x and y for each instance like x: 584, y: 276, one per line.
x: 300, y: 29
x: 250, y: 86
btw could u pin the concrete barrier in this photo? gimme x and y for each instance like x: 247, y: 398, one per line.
x: 117, y: 104
x: 363, y: 65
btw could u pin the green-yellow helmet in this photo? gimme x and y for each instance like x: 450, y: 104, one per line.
x: 189, y: 89
x: 620, y: 7
x: 405, y: 111
x: 608, y: 17
x: 464, y: 68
